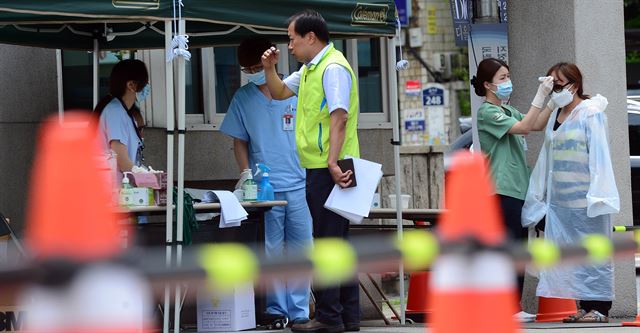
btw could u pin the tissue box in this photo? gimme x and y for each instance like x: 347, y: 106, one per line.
x: 160, y: 197
x: 137, y: 196
x: 233, y: 311
x: 154, y: 180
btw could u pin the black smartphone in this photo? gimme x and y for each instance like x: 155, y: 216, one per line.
x: 347, y: 164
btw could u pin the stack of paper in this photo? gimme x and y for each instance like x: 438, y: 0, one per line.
x: 354, y: 203
x: 232, y: 213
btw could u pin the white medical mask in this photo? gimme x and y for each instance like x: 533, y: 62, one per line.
x: 563, y: 98
x: 257, y: 78
x: 504, y: 89
x: 143, y: 94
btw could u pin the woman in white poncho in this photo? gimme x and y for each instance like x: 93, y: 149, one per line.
x: 574, y: 186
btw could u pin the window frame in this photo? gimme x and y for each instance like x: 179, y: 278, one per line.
x: 210, y: 120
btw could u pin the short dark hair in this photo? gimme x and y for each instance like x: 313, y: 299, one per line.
x: 251, y: 49
x: 310, y: 21
x: 487, y: 69
x: 123, y: 72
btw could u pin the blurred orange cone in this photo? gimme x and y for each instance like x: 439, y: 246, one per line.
x: 633, y: 323
x: 476, y: 292
x: 417, y: 301
x: 70, y: 208
x: 72, y: 218
x: 555, y: 309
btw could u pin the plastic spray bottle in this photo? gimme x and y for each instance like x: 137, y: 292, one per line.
x: 265, y: 191
x: 250, y: 188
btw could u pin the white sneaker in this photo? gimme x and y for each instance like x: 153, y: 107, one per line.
x: 524, y: 317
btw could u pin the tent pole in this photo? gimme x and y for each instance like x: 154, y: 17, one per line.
x: 393, y: 106
x: 180, y: 199
x: 96, y: 78
x: 168, y: 72
x: 60, y: 85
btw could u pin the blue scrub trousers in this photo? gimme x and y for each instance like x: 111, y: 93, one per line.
x: 288, y: 229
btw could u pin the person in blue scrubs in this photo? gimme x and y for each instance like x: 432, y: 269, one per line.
x: 118, y: 128
x: 263, y: 131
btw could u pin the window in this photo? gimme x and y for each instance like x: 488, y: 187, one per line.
x: 213, y: 77
x: 77, y: 73
x: 227, y: 76
x: 369, y: 76
x: 193, y: 84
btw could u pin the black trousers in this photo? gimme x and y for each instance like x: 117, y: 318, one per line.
x: 511, y: 214
x: 340, y: 304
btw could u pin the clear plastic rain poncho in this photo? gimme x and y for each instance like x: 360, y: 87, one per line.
x: 574, y: 186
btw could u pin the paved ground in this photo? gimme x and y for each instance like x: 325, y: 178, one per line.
x: 614, y: 327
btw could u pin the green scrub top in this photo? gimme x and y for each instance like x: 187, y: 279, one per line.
x: 505, y: 151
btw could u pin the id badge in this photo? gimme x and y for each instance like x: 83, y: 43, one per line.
x: 287, y: 122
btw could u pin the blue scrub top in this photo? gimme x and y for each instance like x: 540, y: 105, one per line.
x: 252, y: 117
x: 116, y: 124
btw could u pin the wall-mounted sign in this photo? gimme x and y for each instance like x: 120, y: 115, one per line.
x: 433, y: 94
x: 432, y: 19
x: 412, y: 88
x: 404, y: 11
x: 413, y: 127
x: 461, y: 15
x: 502, y: 8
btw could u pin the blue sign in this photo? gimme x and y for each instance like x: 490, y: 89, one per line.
x: 502, y: 8
x: 461, y: 14
x: 404, y: 12
x: 414, y: 125
x: 433, y: 97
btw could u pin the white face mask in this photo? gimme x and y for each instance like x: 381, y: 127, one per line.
x: 257, y: 78
x: 563, y: 98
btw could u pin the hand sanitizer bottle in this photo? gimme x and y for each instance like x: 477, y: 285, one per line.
x: 250, y: 189
x: 126, y: 192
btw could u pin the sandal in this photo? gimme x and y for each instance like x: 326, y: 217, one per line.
x: 574, y: 317
x: 593, y: 317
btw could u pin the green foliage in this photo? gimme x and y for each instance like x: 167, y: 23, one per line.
x: 633, y: 57
x: 464, y: 102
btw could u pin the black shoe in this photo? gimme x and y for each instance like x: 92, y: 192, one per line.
x: 353, y: 327
x: 298, y: 321
x: 316, y: 326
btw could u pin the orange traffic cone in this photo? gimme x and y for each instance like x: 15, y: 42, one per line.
x: 633, y: 323
x: 555, y: 309
x: 70, y: 208
x: 71, y: 217
x: 417, y: 301
x: 480, y: 286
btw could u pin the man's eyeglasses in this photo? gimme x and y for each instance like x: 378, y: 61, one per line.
x: 252, y: 69
x: 558, y: 88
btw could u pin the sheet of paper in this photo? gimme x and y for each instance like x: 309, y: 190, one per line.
x: 232, y: 212
x: 354, y: 203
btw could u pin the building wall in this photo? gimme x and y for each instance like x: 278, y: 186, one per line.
x: 441, y: 40
x: 28, y: 95
x: 589, y: 33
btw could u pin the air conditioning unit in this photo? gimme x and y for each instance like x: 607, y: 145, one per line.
x: 446, y: 63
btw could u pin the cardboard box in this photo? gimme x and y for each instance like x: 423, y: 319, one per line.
x: 228, y: 312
